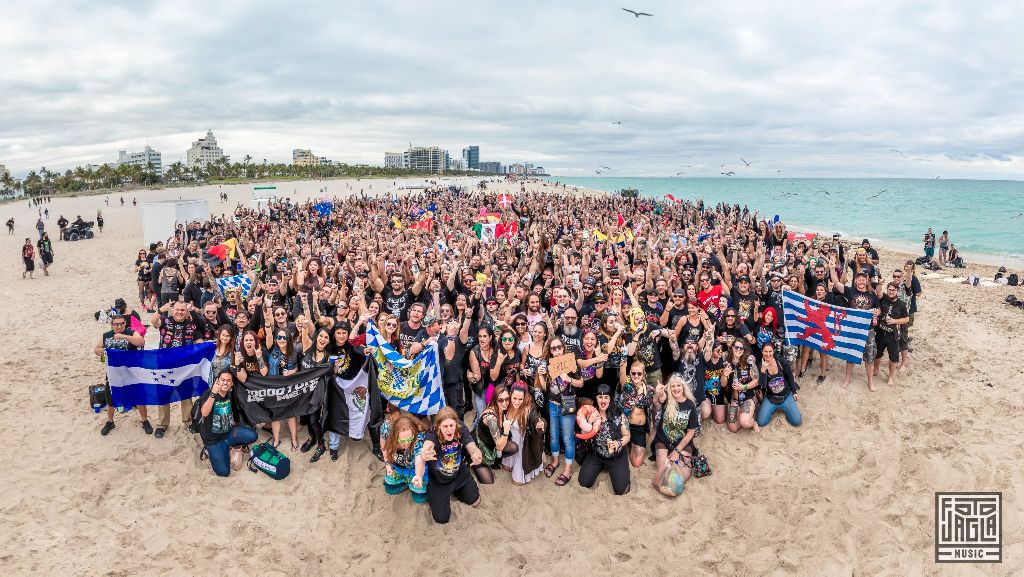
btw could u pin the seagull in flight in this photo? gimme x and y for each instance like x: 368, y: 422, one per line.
x: 637, y: 14
x: 745, y: 162
x: 1019, y: 215
x: 606, y: 167
x: 617, y: 122
x: 937, y: 177
x: 897, y: 152
x: 680, y: 173
x: 825, y: 191
x: 730, y: 173
x: 876, y: 195
x: 598, y: 171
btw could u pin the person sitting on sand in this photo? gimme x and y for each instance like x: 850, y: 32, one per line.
x: 740, y: 380
x: 526, y: 429
x: 400, y: 441
x: 780, y: 388
x: 611, y: 445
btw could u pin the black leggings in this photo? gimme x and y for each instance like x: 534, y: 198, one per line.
x: 316, y: 432
x: 618, y: 470
x: 484, y: 474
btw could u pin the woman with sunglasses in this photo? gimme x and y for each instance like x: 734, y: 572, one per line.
x: 740, y: 380
x: 142, y: 272
x: 634, y: 403
x: 505, y: 369
x: 520, y: 327
x: 729, y: 328
x: 524, y: 427
x: 609, y: 447
x: 445, y: 450
x: 401, y: 441
x: 776, y: 380
x: 490, y: 435
x: 560, y: 423
x: 677, y: 424
x: 482, y: 357
x: 388, y: 329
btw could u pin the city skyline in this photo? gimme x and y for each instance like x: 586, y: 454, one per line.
x: 876, y: 89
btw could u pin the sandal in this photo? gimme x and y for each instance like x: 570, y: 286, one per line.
x: 821, y: 379
x: 562, y: 480
x: 550, y: 470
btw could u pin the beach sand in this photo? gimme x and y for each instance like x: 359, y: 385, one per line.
x: 849, y: 493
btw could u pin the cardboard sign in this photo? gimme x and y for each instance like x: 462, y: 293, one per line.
x: 561, y: 365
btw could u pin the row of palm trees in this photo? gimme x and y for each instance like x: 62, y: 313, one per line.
x: 82, y: 178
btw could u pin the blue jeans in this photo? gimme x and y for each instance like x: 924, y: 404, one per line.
x: 220, y: 453
x: 333, y: 440
x: 562, y: 428
x: 788, y: 407
x: 479, y: 404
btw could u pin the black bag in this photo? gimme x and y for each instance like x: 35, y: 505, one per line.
x: 568, y: 404
x: 1013, y: 280
x: 98, y: 397
x: 197, y: 413
x: 921, y: 260
x: 699, y: 464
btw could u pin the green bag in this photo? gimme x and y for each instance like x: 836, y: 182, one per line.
x: 269, y: 460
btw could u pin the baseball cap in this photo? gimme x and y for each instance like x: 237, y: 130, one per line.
x: 600, y: 297
x: 743, y: 278
x: 591, y: 281
x: 691, y: 340
x: 865, y: 241
x: 429, y: 320
x: 678, y: 292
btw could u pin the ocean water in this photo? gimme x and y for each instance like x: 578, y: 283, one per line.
x: 980, y: 215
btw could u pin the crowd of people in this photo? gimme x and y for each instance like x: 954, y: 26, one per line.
x: 671, y: 312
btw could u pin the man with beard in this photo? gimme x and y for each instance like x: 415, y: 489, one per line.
x: 397, y: 298
x: 592, y: 319
x: 892, y: 315
x: 745, y: 302
x: 569, y: 331
x: 692, y: 366
x: 177, y: 329
x: 860, y: 297
x: 210, y: 320
x: 412, y: 333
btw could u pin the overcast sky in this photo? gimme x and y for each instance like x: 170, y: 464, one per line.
x: 807, y: 88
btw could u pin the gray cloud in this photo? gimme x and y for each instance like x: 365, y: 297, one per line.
x: 807, y: 89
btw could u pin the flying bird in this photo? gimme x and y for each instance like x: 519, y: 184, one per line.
x: 598, y: 171
x: 730, y: 173
x: 637, y: 14
x: 745, y: 162
x: 1019, y: 215
x: 606, y: 167
x: 897, y: 152
x: 825, y: 191
x: 617, y: 122
x: 876, y: 195
x: 937, y: 177
x: 681, y: 172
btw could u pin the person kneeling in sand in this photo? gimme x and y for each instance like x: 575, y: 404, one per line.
x: 218, y: 429
x: 445, y: 449
x: 401, y: 441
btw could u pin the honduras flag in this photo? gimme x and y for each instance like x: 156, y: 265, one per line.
x: 413, y: 385
x: 159, y: 376
x: 323, y: 208
x: 836, y: 331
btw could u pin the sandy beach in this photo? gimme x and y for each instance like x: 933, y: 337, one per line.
x: 849, y: 493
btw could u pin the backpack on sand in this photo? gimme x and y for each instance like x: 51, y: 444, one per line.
x: 269, y: 460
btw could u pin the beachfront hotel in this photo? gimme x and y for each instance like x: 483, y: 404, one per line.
x: 394, y: 160
x: 203, y: 151
x: 304, y: 157
x: 146, y: 159
x: 471, y: 158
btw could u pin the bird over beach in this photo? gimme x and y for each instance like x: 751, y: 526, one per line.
x: 637, y: 14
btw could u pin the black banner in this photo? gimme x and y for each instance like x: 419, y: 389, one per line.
x: 266, y: 399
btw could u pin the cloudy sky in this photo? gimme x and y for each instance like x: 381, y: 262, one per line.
x: 805, y: 88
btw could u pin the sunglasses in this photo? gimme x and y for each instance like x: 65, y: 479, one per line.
x: 520, y: 324
x: 503, y: 399
x: 737, y: 347
x: 730, y: 316
x: 632, y: 374
x: 508, y: 340
x: 392, y: 325
x: 557, y: 347
x: 281, y: 338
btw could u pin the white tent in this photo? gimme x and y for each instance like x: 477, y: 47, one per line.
x: 160, y: 218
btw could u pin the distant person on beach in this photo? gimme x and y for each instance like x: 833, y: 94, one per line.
x: 99, y: 221
x: 120, y: 337
x: 62, y: 223
x: 10, y: 226
x: 40, y: 226
x: 28, y: 256
x: 45, y: 252
x: 943, y: 247
x: 872, y: 253
x: 929, y: 244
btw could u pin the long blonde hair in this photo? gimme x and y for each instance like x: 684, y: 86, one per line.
x: 671, y: 405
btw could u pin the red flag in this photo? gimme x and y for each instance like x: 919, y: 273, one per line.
x: 504, y: 200
x: 220, y: 251
x: 425, y: 224
x: 622, y: 221
x: 503, y: 230
x: 672, y: 198
x: 800, y: 236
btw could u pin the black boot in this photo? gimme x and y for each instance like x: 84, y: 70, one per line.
x: 375, y: 442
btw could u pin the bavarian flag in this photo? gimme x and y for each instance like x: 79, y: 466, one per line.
x: 412, y: 385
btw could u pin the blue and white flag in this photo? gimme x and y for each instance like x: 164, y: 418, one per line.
x: 158, y: 376
x: 241, y: 281
x: 413, y: 385
x: 323, y: 208
x: 836, y: 331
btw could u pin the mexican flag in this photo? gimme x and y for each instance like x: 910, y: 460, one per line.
x: 492, y: 231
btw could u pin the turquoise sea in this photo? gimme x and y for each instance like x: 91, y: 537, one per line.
x: 980, y: 215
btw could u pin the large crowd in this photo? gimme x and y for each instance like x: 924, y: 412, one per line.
x: 672, y: 312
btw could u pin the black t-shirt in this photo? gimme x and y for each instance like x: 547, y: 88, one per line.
x: 509, y: 372
x: 896, y: 309
x: 746, y: 307
x: 398, y: 304
x: 452, y: 462
x: 178, y: 334
x: 454, y: 370
x: 216, y: 426
x: 672, y: 430
x: 109, y: 342
x: 573, y: 344
x: 693, y: 376
x: 647, y: 348
x: 863, y: 300
x: 407, y: 336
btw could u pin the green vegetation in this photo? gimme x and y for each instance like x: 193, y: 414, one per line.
x: 85, y: 180
x: 629, y: 193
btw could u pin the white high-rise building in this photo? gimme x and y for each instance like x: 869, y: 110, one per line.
x: 148, y: 157
x: 203, y: 151
x: 394, y: 160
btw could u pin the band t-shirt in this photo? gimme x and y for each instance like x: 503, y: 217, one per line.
x: 451, y: 462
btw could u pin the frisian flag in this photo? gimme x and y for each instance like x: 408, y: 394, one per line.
x: 158, y: 376
x: 413, y: 385
x: 836, y: 331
